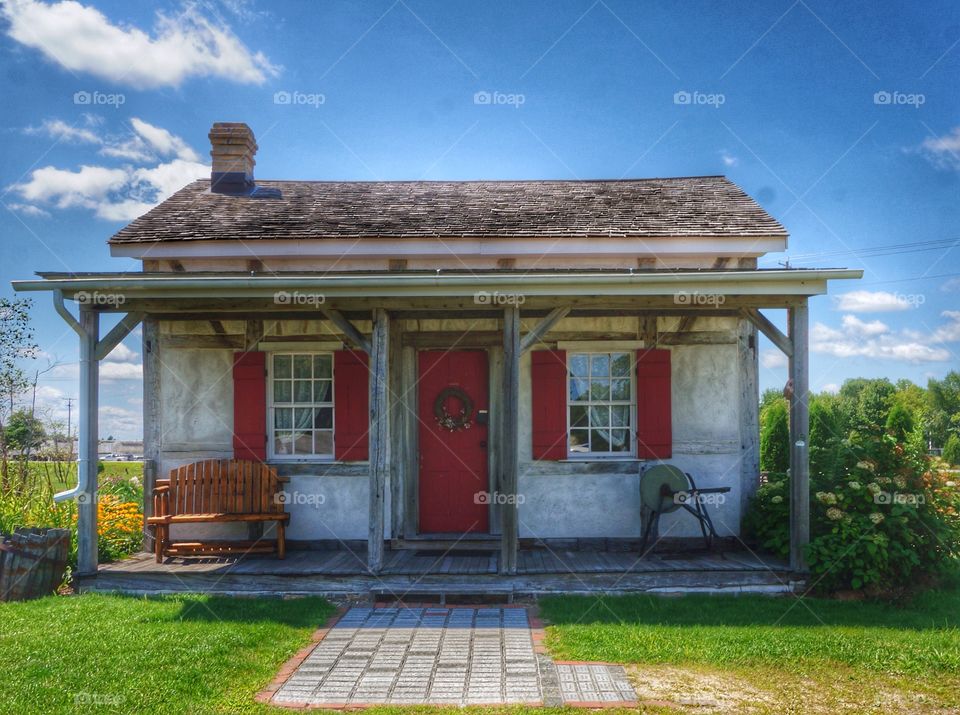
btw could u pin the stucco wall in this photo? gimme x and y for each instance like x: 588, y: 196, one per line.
x: 560, y: 499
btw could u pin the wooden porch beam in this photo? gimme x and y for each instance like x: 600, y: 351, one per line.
x: 543, y: 327
x: 510, y: 441
x: 379, y: 435
x: 799, y: 328
x: 118, y: 333
x: 770, y: 330
x: 348, y: 329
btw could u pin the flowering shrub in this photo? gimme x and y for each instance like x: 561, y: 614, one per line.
x: 883, y: 516
x: 119, y: 527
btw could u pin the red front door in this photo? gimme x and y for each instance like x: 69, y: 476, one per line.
x: 453, y: 458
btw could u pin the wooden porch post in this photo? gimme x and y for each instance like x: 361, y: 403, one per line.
x: 87, y: 443
x: 798, y: 329
x: 151, y: 421
x: 379, y: 435
x: 509, y: 447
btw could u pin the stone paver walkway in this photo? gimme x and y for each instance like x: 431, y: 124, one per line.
x: 594, y: 684
x: 458, y: 656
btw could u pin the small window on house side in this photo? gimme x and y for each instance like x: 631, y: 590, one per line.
x: 600, y: 404
x: 301, y: 405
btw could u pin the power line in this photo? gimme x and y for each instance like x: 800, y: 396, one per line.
x: 877, y: 251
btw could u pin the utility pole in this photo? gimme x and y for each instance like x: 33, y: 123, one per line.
x: 69, y: 401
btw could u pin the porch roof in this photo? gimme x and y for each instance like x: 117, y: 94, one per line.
x: 154, y: 286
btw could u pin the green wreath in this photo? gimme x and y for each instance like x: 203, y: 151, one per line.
x: 453, y: 423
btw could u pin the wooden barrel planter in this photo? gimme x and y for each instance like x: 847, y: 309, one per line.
x: 32, y: 562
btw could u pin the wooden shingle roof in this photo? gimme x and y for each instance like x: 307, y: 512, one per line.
x: 702, y: 206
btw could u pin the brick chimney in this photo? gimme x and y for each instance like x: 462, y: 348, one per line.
x: 232, y: 146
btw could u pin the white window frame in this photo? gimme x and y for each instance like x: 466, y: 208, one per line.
x: 632, y: 429
x: 271, y: 406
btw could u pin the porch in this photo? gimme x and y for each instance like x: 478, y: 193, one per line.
x: 423, y: 575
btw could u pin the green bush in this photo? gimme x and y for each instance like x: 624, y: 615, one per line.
x: 769, y: 511
x: 774, y: 437
x: 951, y: 450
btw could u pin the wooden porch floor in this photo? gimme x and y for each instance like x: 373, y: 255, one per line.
x: 343, y: 573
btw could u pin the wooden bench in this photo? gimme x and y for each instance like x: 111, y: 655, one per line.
x: 218, y: 491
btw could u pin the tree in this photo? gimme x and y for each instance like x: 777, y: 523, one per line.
x: 951, y: 451
x: 16, y: 344
x: 825, y: 436
x: 943, y: 403
x: 900, y: 422
x: 775, y: 437
x: 23, y: 432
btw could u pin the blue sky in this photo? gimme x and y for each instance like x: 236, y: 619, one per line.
x: 841, y: 119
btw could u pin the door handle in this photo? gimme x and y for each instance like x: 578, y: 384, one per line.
x: 483, y: 445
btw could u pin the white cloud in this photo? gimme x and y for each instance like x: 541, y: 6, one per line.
x: 61, y: 130
x: 943, y: 151
x: 949, y: 333
x: 117, y: 193
x: 80, y: 38
x: 28, y: 210
x: 120, y: 422
x: 872, y: 301
x: 122, y: 353
x: 951, y: 285
x: 772, y: 359
x: 120, y: 371
x: 729, y: 159
x: 875, y: 340
x: 831, y: 387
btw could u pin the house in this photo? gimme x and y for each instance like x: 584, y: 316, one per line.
x: 480, y: 360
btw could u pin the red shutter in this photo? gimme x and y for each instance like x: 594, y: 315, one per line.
x: 654, y: 428
x: 549, y: 410
x: 351, y: 411
x: 250, y: 406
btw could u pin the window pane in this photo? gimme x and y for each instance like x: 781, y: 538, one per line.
x: 578, y: 416
x: 620, y: 415
x: 599, y: 416
x: 282, y: 391
x: 303, y: 442
x: 579, y: 365
x: 600, y: 390
x: 620, y: 365
x: 600, y: 440
x: 620, y: 390
x: 301, y: 366
x: 303, y: 418
x: 322, y: 366
x: 281, y: 366
x: 322, y: 390
x: 619, y: 440
x: 578, y: 390
x: 323, y: 442
x: 283, y: 443
x: 599, y: 365
x: 301, y: 391
x: 323, y: 418
x: 579, y: 440
x: 283, y: 418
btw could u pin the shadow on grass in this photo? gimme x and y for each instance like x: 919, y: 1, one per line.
x: 309, y: 612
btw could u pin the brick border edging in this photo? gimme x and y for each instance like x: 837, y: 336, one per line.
x: 290, y: 667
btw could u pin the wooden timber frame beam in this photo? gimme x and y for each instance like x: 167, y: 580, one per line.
x: 783, y: 342
x: 509, y: 455
x: 93, y: 349
x: 543, y: 327
x: 798, y: 322
x: 379, y: 435
x: 348, y: 329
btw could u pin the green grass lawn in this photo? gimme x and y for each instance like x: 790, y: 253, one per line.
x: 700, y: 654
x: 853, y: 656
x: 189, y: 654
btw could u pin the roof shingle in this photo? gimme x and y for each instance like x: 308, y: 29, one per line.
x: 296, y: 210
